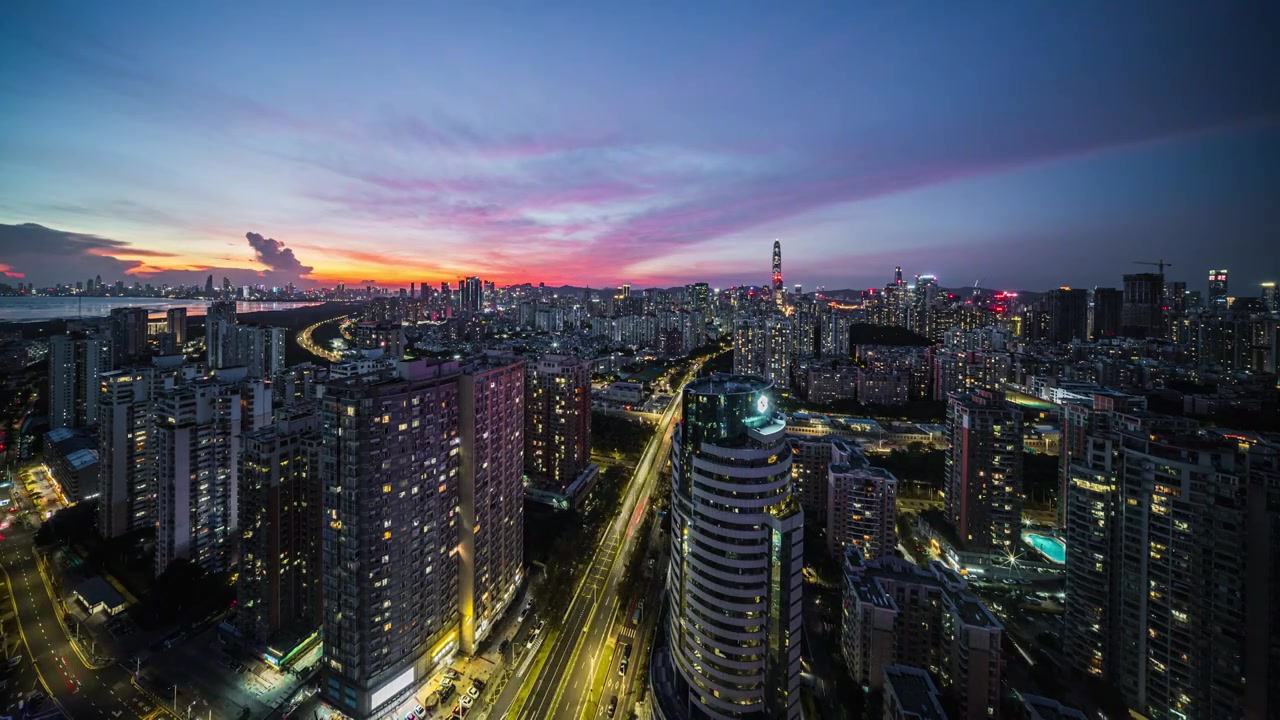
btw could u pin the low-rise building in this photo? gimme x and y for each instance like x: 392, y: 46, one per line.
x: 72, y: 458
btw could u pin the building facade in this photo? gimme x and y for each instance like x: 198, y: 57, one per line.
x: 983, y: 485
x: 491, y: 492
x: 389, y: 471
x: 737, y: 542
x: 280, y: 583
x: 557, y: 418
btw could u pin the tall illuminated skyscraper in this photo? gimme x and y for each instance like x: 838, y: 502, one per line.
x: 778, y: 288
x: 1218, y: 289
x: 737, y: 537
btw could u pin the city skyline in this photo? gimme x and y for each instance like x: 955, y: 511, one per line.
x: 596, y: 148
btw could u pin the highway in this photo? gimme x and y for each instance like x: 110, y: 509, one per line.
x: 78, y: 690
x: 306, y: 342
x: 563, y: 686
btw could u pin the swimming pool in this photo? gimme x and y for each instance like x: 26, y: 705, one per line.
x: 1049, y: 546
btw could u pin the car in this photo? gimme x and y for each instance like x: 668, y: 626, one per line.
x: 474, y: 692
x: 626, y: 650
x: 452, y: 674
x: 419, y: 710
x: 613, y: 705
x: 478, y: 683
x: 466, y: 701
x: 538, y: 628
x: 410, y: 716
x: 622, y: 668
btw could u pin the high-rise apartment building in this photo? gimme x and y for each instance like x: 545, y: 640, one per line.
x: 765, y: 347
x: 1092, y: 517
x: 897, y: 612
x: 219, y: 340
x: 862, y: 505
x: 176, y: 324
x: 811, y: 458
x: 1218, y: 290
x: 197, y: 428
x: 1270, y: 299
x: 279, y: 589
x: 126, y: 445
x: 470, y: 295
x: 1106, y: 313
x: 75, y: 361
x: 491, y: 409
x: 1079, y: 420
x: 1142, y: 314
x: 1197, y: 630
x: 736, y: 553
x: 923, y: 297
x: 259, y: 349
x: 1068, y: 310
x: 558, y: 418
x: 1171, y: 535
x: 128, y: 334
x: 983, y: 483
x: 835, y: 326
x: 389, y: 472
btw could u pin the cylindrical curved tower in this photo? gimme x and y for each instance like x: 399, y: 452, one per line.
x: 736, y: 554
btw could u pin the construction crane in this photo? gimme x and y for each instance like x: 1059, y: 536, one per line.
x: 1161, y: 264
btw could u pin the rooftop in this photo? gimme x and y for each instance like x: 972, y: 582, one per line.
x: 728, y: 384
x: 915, y: 692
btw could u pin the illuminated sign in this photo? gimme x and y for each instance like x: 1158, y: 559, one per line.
x: 394, y: 686
x: 762, y: 405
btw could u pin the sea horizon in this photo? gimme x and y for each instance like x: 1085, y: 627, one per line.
x: 23, y: 309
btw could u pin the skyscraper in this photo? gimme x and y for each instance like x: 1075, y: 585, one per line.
x: 558, y: 418
x: 778, y: 288
x: 1270, y: 300
x: 1218, y: 290
x: 279, y: 589
x: 983, y: 483
x: 736, y: 552
x: 491, y: 492
x: 389, y: 473
x: 75, y: 361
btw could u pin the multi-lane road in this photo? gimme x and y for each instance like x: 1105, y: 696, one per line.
x: 76, y: 689
x: 588, y: 634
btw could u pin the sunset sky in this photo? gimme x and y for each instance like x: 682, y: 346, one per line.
x: 1024, y: 144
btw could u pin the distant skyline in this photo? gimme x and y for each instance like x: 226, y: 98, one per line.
x: 1024, y: 145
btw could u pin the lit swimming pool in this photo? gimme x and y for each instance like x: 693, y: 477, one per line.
x: 1049, y: 546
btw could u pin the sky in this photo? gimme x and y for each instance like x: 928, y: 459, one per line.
x: 1023, y: 145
